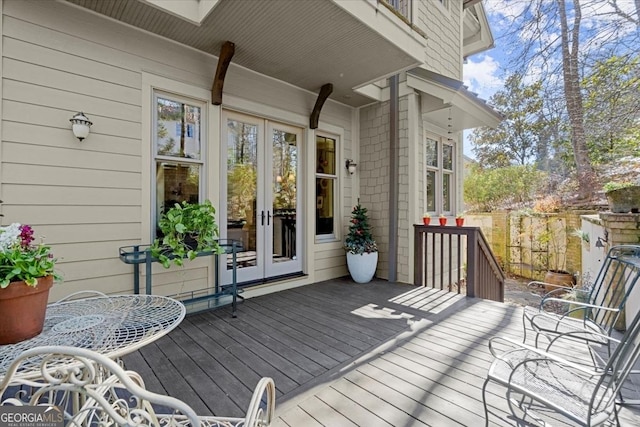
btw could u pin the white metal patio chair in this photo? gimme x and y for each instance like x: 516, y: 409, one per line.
x: 599, y: 309
x: 540, y: 379
x: 92, y: 389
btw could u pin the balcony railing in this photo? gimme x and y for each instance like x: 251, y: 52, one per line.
x: 403, y: 7
x: 457, y: 258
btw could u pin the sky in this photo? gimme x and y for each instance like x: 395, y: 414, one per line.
x: 484, y: 73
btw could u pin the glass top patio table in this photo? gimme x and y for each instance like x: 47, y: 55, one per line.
x: 112, y: 325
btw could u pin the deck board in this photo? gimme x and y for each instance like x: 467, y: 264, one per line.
x: 342, y: 354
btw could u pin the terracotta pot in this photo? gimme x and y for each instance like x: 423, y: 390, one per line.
x: 443, y: 221
x: 426, y: 221
x: 559, y: 278
x: 22, y: 310
x: 459, y: 222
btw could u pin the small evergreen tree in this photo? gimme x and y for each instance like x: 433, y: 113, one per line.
x: 360, y: 240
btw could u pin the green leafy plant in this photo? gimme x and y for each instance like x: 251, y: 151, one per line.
x: 187, y: 229
x: 20, y: 259
x: 583, y: 235
x: 611, y: 185
x: 486, y: 190
x: 360, y: 240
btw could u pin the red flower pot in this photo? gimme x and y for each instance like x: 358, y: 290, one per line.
x: 426, y: 220
x: 443, y: 221
x: 459, y: 222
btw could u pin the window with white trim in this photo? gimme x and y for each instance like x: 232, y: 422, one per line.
x: 177, y: 150
x: 439, y: 175
x: 326, y: 187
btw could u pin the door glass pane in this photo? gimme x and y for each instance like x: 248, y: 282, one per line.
x: 242, y: 172
x: 431, y: 148
x: 431, y: 191
x: 446, y: 192
x: 174, y: 184
x: 284, y: 184
x: 177, y: 129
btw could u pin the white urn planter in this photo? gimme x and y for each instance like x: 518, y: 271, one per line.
x: 362, y: 267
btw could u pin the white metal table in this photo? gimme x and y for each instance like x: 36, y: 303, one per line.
x: 110, y: 325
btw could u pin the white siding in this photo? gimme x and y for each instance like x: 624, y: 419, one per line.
x: 88, y: 198
x: 374, y: 177
x: 443, y: 28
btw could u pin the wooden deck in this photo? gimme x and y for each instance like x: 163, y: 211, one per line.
x: 342, y: 354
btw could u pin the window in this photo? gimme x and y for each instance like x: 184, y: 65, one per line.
x: 439, y: 175
x: 326, y: 185
x: 178, y: 157
x: 402, y: 6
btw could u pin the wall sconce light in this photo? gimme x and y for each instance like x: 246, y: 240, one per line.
x: 80, y: 125
x: 600, y: 242
x: 351, y: 166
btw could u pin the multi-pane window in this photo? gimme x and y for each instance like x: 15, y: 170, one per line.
x: 177, y: 148
x: 439, y: 175
x: 326, y: 185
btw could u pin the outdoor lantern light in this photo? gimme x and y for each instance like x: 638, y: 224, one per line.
x: 351, y: 166
x: 80, y: 125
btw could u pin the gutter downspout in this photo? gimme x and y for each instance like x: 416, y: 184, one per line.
x: 393, y: 177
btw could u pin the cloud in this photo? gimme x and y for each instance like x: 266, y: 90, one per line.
x: 482, y: 75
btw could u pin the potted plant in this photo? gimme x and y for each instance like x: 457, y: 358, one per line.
x: 187, y: 229
x: 426, y: 218
x: 623, y: 197
x: 459, y: 220
x: 362, y: 251
x: 26, y: 275
x: 442, y: 219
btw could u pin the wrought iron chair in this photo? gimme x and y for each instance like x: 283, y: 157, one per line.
x: 540, y: 379
x: 92, y: 389
x: 593, y: 317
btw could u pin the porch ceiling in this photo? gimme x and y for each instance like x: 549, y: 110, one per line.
x: 306, y: 44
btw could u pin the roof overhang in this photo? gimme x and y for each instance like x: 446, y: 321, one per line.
x: 447, y: 103
x: 476, y: 32
x: 305, y: 43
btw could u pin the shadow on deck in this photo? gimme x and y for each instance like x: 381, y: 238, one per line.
x: 341, y: 354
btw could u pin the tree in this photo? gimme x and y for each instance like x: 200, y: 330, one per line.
x: 612, y: 109
x: 360, y: 239
x: 557, y: 44
x: 488, y: 189
x: 571, y: 78
x: 516, y: 141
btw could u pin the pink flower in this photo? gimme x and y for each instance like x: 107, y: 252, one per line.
x: 26, y: 236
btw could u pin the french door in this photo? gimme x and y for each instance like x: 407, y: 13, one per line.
x: 261, y: 181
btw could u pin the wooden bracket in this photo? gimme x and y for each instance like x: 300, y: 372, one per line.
x: 325, y: 91
x: 226, y: 53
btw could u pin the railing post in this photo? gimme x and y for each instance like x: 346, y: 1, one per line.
x: 418, y: 257
x: 472, y: 263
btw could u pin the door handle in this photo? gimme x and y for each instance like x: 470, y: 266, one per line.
x: 262, y: 217
x: 268, y: 217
